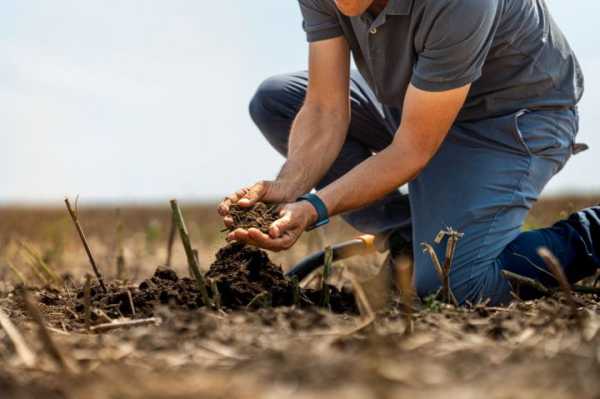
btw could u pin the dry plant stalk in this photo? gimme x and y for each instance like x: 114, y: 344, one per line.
x: 296, y: 292
x: 556, y: 269
x: 542, y: 288
x: 197, y: 257
x: 263, y: 296
x: 328, y: 260
x: 453, y: 237
x: 37, y: 261
x: 404, y: 283
x: 27, y: 356
x: 121, y: 266
x: 312, y: 280
x: 120, y: 260
x: 125, y: 323
x: 102, y: 314
x: 191, y: 258
x: 43, y: 333
x: 17, y: 273
x: 586, y: 290
x: 526, y: 281
x: 363, y: 304
x: 131, y: 304
x: 40, y: 276
x: 216, y: 295
x: 427, y: 248
x: 444, y: 271
x: 88, y: 251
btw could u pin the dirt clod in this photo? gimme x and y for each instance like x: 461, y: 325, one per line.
x: 163, y: 288
x: 245, y: 278
x: 242, y: 273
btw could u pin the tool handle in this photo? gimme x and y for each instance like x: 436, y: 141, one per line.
x: 362, y: 245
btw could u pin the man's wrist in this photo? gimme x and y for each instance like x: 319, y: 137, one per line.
x: 313, y: 216
x: 319, y: 215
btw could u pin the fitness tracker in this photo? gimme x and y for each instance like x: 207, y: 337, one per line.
x: 319, y: 205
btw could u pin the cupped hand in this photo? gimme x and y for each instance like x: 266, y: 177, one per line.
x: 294, y: 219
x: 263, y: 191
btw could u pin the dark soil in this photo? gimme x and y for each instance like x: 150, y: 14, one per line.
x: 242, y: 273
x: 10, y: 389
x: 245, y: 277
x: 531, y: 349
x: 163, y: 288
x: 259, y: 216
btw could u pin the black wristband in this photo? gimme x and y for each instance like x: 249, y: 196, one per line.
x: 319, y: 205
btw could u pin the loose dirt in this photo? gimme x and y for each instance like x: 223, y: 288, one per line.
x: 245, y: 277
x: 308, y: 353
x: 260, y: 216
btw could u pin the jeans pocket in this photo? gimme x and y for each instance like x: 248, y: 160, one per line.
x: 517, y: 133
x: 547, y: 134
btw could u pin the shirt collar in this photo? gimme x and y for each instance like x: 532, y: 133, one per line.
x: 394, y: 7
x: 399, y: 7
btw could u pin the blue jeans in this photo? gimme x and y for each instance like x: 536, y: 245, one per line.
x: 482, y: 182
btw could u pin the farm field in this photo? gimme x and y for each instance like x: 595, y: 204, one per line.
x: 531, y: 349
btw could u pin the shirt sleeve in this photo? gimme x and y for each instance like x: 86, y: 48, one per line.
x: 457, y: 37
x: 320, y: 20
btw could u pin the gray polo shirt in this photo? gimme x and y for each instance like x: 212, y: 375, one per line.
x: 511, y: 51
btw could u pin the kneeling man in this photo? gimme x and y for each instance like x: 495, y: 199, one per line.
x: 470, y: 102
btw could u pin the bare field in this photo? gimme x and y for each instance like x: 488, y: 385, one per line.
x: 531, y: 349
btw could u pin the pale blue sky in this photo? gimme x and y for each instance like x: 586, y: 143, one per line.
x: 147, y: 100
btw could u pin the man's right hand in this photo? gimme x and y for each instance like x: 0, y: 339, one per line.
x: 263, y: 191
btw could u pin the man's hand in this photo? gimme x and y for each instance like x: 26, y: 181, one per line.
x: 264, y: 191
x: 294, y: 219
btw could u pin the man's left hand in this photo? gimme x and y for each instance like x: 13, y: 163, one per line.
x: 294, y: 219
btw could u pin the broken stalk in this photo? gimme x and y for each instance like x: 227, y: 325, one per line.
x: 189, y: 252
x: 88, y: 251
x: 326, y: 296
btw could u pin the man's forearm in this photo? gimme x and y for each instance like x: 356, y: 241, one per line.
x: 375, y: 177
x: 316, y: 139
x: 426, y: 120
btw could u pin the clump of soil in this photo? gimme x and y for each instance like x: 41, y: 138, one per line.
x: 245, y: 278
x: 242, y: 273
x: 260, y: 216
x: 245, y: 275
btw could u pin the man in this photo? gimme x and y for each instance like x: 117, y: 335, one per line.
x: 471, y: 102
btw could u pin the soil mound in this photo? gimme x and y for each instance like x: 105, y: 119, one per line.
x: 245, y: 278
x: 164, y: 287
x: 242, y: 273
